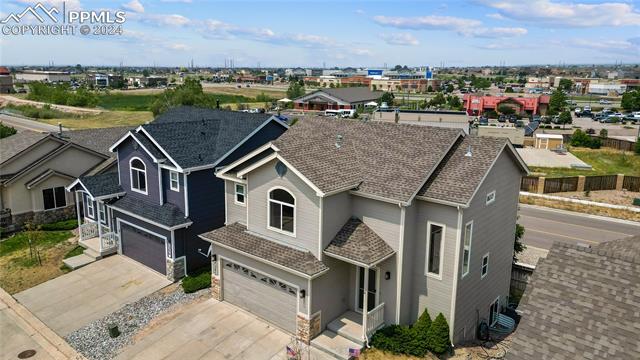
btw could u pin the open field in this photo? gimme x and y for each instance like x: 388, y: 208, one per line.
x: 229, y: 89
x: 104, y: 119
x: 126, y: 102
x: 604, y: 162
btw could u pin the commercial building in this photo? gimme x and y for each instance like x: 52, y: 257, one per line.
x: 44, y: 76
x: 339, y: 98
x: 6, y: 81
x: 478, y: 104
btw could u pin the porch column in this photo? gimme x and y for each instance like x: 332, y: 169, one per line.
x: 99, y: 225
x: 365, y: 305
x: 78, y: 215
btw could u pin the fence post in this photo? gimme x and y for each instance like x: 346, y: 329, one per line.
x: 540, y: 185
x: 619, y: 182
x: 581, y: 181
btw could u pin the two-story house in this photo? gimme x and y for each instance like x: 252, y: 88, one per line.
x: 165, y: 192
x: 347, y: 226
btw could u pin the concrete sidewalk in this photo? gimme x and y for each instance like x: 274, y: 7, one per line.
x: 20, y: 330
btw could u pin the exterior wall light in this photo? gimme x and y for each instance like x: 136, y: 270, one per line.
x: 387, y: 275
x: 303, y: 293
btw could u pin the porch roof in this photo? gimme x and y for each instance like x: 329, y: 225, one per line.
x: 358, y: 243
x: 236, y: 237
x: 100, y: 185
x: 166, y: 215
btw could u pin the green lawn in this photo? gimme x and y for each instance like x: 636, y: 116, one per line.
x: 126, y: 102
x: 603, y: 161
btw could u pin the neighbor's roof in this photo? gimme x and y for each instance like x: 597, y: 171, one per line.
x: 549, y: 136
x: 102, y: 184
x: 167, y: 214
x: 98, y: 140
x: 582, y: 303
x: 458, y: 176
x: 388, y: 160
x: 349, y: 94
x: 194, y: 113
x: 16, y: 143
x: 235, y: 236
x: 357, y: 242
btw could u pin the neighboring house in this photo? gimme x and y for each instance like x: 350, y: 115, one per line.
x: 415, y: 217
x: 338, y: 98
x: 582, y: 303
x: 35, y: 168
x: 165, y: 191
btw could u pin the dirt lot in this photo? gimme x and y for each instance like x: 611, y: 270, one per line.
x: 605, y: 196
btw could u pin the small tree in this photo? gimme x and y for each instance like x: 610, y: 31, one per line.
x: 565, y: 118
x: 387, y: 97
x: 429, y: 88
x: 604, y: 133
x: 637, y: 146
x: 438, y: 335
x: 557, y: 102
x: 506, y: 109
x: 34, y: 235
x: 518, y: 246
x: 509, y: 89
x: 6, y: 131
x: 450, y: 88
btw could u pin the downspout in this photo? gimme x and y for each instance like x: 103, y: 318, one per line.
x: 455, y: 275
x: 400, y: 261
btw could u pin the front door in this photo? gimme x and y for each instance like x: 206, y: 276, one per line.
x: 372, y: 292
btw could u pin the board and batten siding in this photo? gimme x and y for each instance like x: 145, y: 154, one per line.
x: 259, y: 182
x: 235, y: 213
x: 493, y: 233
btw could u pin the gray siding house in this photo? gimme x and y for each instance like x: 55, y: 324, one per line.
x: 339, y: 227
x: 164, y: 192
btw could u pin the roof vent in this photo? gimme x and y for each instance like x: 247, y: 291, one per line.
x: 203, y: 133
x: 468, y: 153
x: 200, y: 157
x: 338, y: 141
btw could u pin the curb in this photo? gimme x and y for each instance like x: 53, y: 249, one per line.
x: 52, y: 343
x: 578, y: 201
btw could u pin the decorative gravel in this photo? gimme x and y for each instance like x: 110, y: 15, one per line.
x: 93, y: 340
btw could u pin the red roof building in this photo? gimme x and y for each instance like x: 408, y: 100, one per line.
x: 478, y: 104
x: 4, y: 71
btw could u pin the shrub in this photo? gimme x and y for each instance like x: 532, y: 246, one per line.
x: 195, y: 282
x: 60, y: 225
x: 419, y: 344
x: 637, y: 146
x: 438, y: 335
x: 392, y: 338
x: 6, y: 131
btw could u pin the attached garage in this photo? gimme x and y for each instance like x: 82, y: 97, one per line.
x: 260, y: 294
x: 143, y: 247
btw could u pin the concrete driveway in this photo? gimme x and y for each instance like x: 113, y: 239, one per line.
x: 210, y: 330
x: 73, y: 300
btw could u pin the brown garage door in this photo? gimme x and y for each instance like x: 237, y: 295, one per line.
x: 143, y: 247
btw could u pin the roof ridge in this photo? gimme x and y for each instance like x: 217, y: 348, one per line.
x: 607, y: 253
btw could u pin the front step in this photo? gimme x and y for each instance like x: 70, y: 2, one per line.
x: 348, y: 326
x: 78, y: 261
x: 92, y: 254
x: 334, y: 344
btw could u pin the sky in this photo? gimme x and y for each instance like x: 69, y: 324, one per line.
x: 340, y: 33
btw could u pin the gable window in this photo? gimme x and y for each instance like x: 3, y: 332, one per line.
x: 485, y: 266
x: 466, y: 252
x: 90, y: 212
x: 101, y: 212
x: 174, y: 183
x: 54, y: 198
x: 435, y: 245
x: 138, y: 176
x: 240, y: 195
x: 282, y: 208
x: 491, y: 197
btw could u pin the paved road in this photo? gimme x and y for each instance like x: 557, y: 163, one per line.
x: 24, y: 124
x: 544, y: 227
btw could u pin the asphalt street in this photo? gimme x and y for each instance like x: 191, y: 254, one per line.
x: 543, y: 227
x: 25, y: 124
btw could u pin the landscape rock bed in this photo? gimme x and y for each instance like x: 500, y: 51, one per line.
x: 93, y: 340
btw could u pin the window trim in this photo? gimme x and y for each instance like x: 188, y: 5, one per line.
x: 55, y: 205
x: 177, y: 180
x: 236, y: 193
x: 102, y: 210
x: 146, y: 182
x: 295, y: 211
x: 428, y: 243
x: 493, y: 198
x: 495, y: 319
x: 482, y: 267
x: 90, y: 210
x: 464, y: 247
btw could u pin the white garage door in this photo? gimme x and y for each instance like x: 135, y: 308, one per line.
x: 261, y: 295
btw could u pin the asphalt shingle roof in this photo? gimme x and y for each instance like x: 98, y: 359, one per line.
x: 195, y: 136
x: 144, y: 140
x: 102, y: 184
x: 236, y: 236
x: 16, y: 143
x: 350, y: 94
x: 356, y: 241
x: 582, y: 303
x: 99, y: 140
x: 458, y: 176
x: 383, y: 159
x: 167, y: 214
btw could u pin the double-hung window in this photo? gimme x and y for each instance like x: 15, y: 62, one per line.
x: 282, y: 209
x: 138, y: 176
x: 240, y: 194
x: 102, y: 213
x: 485, y: 266
x: 435, y: 246
x: 54, y: 198
x: 466, y: 251
x: 90, y: 212
x: 174, y: 182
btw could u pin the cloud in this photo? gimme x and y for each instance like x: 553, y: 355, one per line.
x: 69, y: 5
x: 507, y: 46
x: 360, y: 12
x: 134, y: 5
x: 495, y: 16
x: 547, y: 12
x: 177, y: 1
x: 603, y: 44
x: 166, y: 19
x: 403, y: 39
x: 462, y: 26
x: 179, y: 47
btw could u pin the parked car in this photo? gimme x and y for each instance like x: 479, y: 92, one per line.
x: 483, y: 120
x: 585, y: 113
x: 591, y: 131
x: 604, y: 101
x: 577, y: 111
x: 502, y: 118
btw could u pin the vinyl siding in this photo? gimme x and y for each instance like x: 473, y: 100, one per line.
x: 330, y: 293
x: 126, y: 152
x: 306, y: 213
x: 494, y: 233
x: 171, y: 196
x: 235, y: 212
x: 336, y: 211
x: 383, y: 218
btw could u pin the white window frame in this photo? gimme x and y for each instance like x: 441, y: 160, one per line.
x: 490, y: 198
x: 102, y: 210
x: 295, y: 212
x: 495, y: 318
x: 467, y: 248
x: 483, y: 267
x: 90, y: 211
x: 53, y: 190
x: 144, y: 171
x: 426, y: 262
x: 172, y: 180
x: 243, y: 193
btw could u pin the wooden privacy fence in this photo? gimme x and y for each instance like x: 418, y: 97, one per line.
x: 542, y: 185
x: 605, y: 182
x: 529, y: 184
x: 631, y: 183
x: 562, y: 184
x: 618, y: 144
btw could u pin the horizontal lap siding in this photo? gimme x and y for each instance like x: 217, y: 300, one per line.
x: 235, y: 212
x: 172, y: 196
x: 330, y: 292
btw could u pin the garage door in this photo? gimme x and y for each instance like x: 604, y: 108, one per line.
x: 261, y: 295
x: 143, y: 247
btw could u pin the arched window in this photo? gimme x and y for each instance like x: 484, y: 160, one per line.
x: 138, y: 176
x: 282, y: 209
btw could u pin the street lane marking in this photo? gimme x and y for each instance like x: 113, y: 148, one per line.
x: 566, y: 236
x: 581, y: 226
